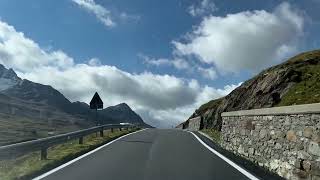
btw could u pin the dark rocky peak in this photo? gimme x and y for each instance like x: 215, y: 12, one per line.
x: 123, y: 106
x: 8, y: 73
x: 2, y: 68
x: 122, y: 113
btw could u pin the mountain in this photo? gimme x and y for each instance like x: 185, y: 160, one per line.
x: 27, y: 107
x: 122, y: 113
x: 8, y: 78
x: 296, y: 81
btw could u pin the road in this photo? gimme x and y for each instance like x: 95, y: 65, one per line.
x: 151, y: 154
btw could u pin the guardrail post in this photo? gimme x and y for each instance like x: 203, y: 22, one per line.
x: 81, y: 140
x: 111, y: 130
x: 120, y: 129
x: 44, y: 153
x: 126, y: 128
x: 101, y: 133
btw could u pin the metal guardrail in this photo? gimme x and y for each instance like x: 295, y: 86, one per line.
x: 15, y: 150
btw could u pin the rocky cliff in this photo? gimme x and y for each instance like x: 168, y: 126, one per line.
x: 296, y: 81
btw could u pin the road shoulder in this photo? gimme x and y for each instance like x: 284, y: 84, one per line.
x: 251, y: 167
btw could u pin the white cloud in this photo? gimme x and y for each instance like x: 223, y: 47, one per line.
x: 248, y: 40
x: 94, y: 62
x: 180, y: 64
x: 203, y: 8
x: 175, y: 62
x: 26, y: 55
x: 99, y: 11
x: 162, y: 100
x: 125, y: 16
x: 208, y: 73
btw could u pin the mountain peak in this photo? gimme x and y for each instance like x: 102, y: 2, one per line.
x: 8, y: 73
x: 2, y: 67
x: 8, y: 78
x: 122, y: 113
x: 123, y: 105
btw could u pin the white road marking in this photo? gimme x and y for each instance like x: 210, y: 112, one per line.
x: 243, y: 171
x: 82, y: 156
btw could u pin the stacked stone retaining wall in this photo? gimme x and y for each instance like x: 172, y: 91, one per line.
x: 285, y: 140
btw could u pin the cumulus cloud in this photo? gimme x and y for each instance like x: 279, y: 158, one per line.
x: 248, y: 40
x: 208, y: 73
x: 180, y: 64
x: 176, y: 62
x: 103, y: 14
x: 162, y: 100
x: 204, y: 7
x: 94, y: 62
x: 26, y: 55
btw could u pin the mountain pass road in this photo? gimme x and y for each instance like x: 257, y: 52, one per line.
x: 150, y: 154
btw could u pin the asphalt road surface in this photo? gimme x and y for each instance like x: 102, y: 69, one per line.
x: 151, y: 154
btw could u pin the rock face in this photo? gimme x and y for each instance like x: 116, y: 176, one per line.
x: 284, y: 84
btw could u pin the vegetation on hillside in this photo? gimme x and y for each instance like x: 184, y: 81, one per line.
x: 296, y: 81
x: 305, y: 56
x: 214, y: 134
x: 209, y: 105
x: 306, y: 91
x: 15, y: 129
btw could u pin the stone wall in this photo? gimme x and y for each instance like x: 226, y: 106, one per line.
x: 180, y: 126
x: 194, y: 124
x: 284, y: 140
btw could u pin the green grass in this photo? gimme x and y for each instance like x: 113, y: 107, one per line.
x: 214, y: 134
x: 16, y: 129
x: 27, y: 166
x: 305, y: 92
x: 305, y: 56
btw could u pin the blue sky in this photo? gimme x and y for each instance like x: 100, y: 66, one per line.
x: 201, y: 49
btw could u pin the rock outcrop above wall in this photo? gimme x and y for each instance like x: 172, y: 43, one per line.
x: 296, y: 81
x: 285, y: 140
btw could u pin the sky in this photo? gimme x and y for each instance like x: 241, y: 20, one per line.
x: 163, y: 58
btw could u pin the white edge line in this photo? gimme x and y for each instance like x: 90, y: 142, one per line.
x: 82, y: 156
x: 243, y: 171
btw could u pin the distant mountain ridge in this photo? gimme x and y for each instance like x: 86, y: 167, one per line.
x: 122, y: 112
x: 25, y: 94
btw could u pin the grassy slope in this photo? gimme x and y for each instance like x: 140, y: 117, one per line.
x: 16, y: 129
x: 307, y: 91
x: 209, y: 105
x: 26, y: 166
